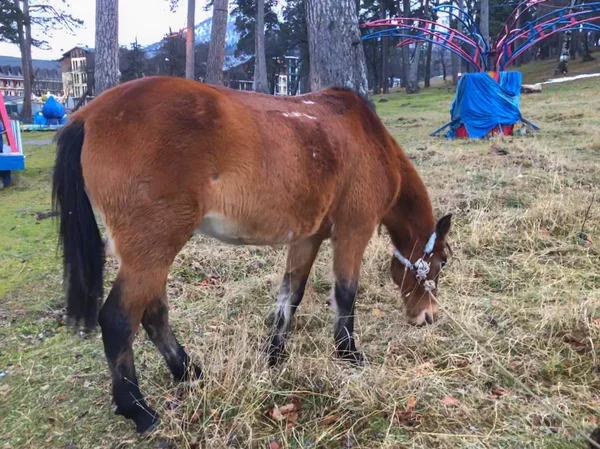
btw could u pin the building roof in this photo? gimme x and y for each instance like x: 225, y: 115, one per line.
x: 81, y: 47
x: 7, y: 71
x: 37, y: 63
x: 48, y: 75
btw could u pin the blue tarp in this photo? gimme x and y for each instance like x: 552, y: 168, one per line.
x: 52, y: 109
x: 481, y: 103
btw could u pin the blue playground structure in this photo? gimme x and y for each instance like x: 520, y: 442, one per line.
x: 487, y: 101
x: 52, y: 117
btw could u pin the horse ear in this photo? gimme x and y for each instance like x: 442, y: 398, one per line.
x: 443, y: 226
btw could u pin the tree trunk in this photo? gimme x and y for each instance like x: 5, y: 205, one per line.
x: 336, y: 53
x: 427, y: 74
x: 413, y: 78
x: 427, y: 81
x: 191, y: 40
x: 484, y: 21
x: 455, y: 68
x: 24, y: 30
x: 384, y: 83
x: 563, y: 58
x: 443, y: 62
x: 260, y: 60
x: 106, y: 60
x: 405, y: 66
x: 405, y: 49
x: 216, y: 50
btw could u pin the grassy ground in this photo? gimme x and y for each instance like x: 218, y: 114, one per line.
x: 523, y: 283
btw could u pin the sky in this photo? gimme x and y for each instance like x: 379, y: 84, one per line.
x: 148, y: 29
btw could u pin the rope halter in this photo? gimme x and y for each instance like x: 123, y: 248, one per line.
x: 420, y: 269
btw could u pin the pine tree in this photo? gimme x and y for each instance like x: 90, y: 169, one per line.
x: 106, y: 58
x: 336, y: 52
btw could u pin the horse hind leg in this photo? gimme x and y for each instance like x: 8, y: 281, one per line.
x: 119, y: 320
x: 156, y: 324
x: 139, y: 295
x: 300, y: 258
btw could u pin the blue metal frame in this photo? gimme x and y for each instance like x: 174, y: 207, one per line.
x: 393, y: 33
x: 471, y: 25
x: 535, y: 38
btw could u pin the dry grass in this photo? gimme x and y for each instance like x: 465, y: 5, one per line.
x: 523, y: 283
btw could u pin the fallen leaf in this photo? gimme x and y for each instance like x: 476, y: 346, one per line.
x: 274, y: 445
x: 424, y: 367
x: 195, y: 418
x: 597, y: 321
x: 408, y: 418
x: 329, y: 419
x: 276, y: 414
x: 291, y: 419
x: 295, y: 405
x: 171, y: 402
x: 378, y: 312
x: 412, y: 402
x: 450, y: 401
x: 579, y: 344
x: 499, y: 392
x: 211, y: 281
x: 593, y: 419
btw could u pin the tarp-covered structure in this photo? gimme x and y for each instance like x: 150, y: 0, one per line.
x: 52, y: 109
x: 485, y: 104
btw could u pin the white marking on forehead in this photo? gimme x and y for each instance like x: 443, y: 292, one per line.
x: 298, y: 115
x: 308, y: 102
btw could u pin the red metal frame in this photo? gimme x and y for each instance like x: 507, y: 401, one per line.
x: 543, y: 36
x: 7, y: 128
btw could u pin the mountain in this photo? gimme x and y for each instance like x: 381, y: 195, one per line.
x: 202, y: 31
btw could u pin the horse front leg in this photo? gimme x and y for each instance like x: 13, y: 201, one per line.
x: 348, y: 248
x: 300, y: 258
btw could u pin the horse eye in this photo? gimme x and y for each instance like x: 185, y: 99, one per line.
x: 442, y: 264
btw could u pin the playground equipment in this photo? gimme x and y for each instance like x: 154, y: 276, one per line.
x: 470, y: 45
x: 50, y: 118
x: 11, y: 155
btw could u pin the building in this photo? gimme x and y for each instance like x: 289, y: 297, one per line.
x: 46, y: 77
x: 241, y: 84
x: 286, y: 75
x: 11, y: 81
x: 47, y: 80
x: 77, y: 67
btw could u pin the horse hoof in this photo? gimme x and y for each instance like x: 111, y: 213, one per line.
x: 354, y: 357
x: 193, y: 377
x: 428, y: 318
x: 146, y: 422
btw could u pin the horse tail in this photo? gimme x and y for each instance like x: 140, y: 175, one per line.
x: 79, y: 236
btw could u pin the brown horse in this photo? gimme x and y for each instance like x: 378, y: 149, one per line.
x: 160, y: 159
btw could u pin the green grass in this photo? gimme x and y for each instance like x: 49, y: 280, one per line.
x: 37, y: 135
x: 521, y: 283
x: 27, y: 235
